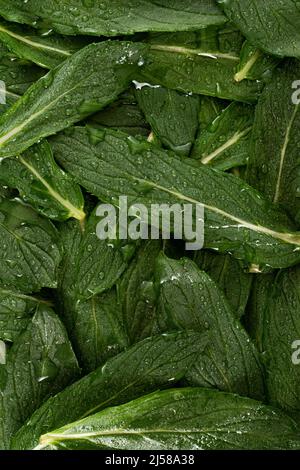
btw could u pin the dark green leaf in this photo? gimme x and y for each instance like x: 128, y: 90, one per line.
x: 224, y: 144
x: 46, y: 51
x: 43, y: 184
x: 229, y: 275
x: 113, y: 17
x: 154, y: 363
x: 40, y: 363
x: 15, y: 312
x: 237, y: 218
x: 275, y: 324
x: 123, y: 115
x: 16, y: 76
x: 274, y: 164
x: 85, y: 83
x: 99, y: 332
x: 136, y: 292
x: 180, y: 63
x: 273, y: 26
x: 91, y: 266
x: 210, y: 108
x: 188, y: 419
x: 190, y: 300
x: 99, y: 263
x: 29, y: 257
x: 256, y: 306
x: 172, y: 116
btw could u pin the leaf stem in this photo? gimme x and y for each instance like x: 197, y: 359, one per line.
x: 242, y: 74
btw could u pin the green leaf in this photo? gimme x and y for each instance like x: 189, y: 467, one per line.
x: 46, y: 51
x: 99, y: 263
x: 99, y: 331
x: 181, y: 63
x: 237, y: 218
x: 29, y: 256
x: 16, y: 310
x: 70, y: 235
x: 85, y: 83
x: 112, y: 17
x: 187, y: 419
x: 124, y: 115
x: 136, y: 292
x: 210, y: 108
x: 154, y: 363
x: 254, y: 64
x: 274, y: 163
x: 271, y: 26
x: 17, y: 76
x: 274, y: 313
x: 43, y: 184
x: 190, y: 300
x: 40, y: 363
x: 224, y: 144
x: 173, y: 116
x: 256, y: 306
x: 229, y: 275
x: 91, y: 266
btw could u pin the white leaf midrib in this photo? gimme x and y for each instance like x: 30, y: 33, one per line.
x: 73, y: 211
x: 36, y: 45
x: 229, y: 143
x: 284, y: 152
x: 191, y: 51
x: 292, y: 238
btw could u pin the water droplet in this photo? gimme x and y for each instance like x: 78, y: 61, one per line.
x: 140, y: 85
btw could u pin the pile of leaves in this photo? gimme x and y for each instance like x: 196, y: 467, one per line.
x: 123, y: 344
